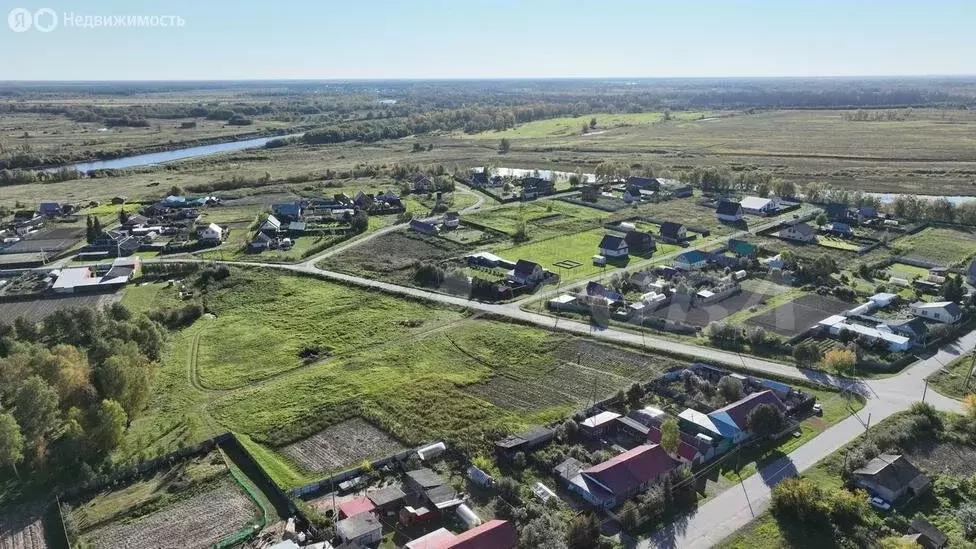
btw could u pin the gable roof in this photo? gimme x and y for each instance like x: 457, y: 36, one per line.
x: 418, y: 225
x: 950, y: 307
x: 802, y: 228
x: 524, y: 267
x: 288, y: 209
x: 386, y: 495
x: 739, y: 410
x: 425, y: 478
x: 479, y: 178
x: 612, y: 242
x: 726, y: 207
x: 494, y: 534
x: 693, y: 256
x: 670, y: 229
x: 741, y: 247
x: 925, y: 528
x: 839, y: 227
x: 755, y: 203
x: 632, y: 468
x: 600, y: 419
x: 357, y: 505
x: 892, y: 471
x: 272, y: 221
x: 638, y: 238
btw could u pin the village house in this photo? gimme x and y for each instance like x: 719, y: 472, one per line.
x: 136, y: 220
x: 892, y: 478
x: 494, y: 534
x: 632, y: 194
x: 895, y: 342
x: 728, y: 211
x: 212, y: 233
x: 640, y: 242
x: 644, y: 183
x: 387, y: 499
x: 947, y: 312
x: 536, y: 186
x: 798, y: 232
x: 741, y: 248
x: 49, y: 209
x: 113, y: 243
x: 423, y: 227
x: 288, y: 211
x: 599, y: 424
x: 422, y: 184
x: 271, y: 225
x: 527, y: 273
x: 451, y: 220
x: 260, y: 242
x: 612, y: 482
x: 682, y: 191
x: 674, y: 233
x: 613, y: 246
x: 755, y: 205
x: 837, y: 228
x: 692, y: 260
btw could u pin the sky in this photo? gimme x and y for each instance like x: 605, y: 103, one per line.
x: 379, y: 39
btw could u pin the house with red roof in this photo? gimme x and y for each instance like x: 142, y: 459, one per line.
x: 494, y: 534
x: 614, y: 481
x: 735, y: 415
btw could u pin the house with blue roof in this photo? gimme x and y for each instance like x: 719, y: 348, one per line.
x: 288, y: 211
x: 741, y: 248
x: 692, y: 260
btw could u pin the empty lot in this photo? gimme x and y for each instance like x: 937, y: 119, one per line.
x: 701, y: 316
x: 791, y: 318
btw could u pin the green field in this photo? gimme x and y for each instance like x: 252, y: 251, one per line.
x: 542, y: 218
x: 572, y: 125
x: 946, y: 247
x: 908, y: 272
x: 579, y: 247
x: 420, y: 373
x: 838, y: 243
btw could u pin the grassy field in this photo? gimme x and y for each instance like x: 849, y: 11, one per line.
x: 946, y: 247
x: 541, y: 218
x: 951, y: 380
x: 420, y: 375
x: 305, y: 319
x: 838, y: 243
x: 579, y: 247
x: 908, y: 272
x: 572, y: 125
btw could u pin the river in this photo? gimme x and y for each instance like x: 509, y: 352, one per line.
x: 150, y: 159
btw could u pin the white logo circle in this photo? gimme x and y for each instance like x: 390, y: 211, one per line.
x: 46, y: 12
x: 20, y: 19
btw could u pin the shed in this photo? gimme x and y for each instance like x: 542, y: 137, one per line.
x: 364, y: 529
x: 387, y: 498
x: 598, y: 424
x: 431, y: 451
x: 355, y: 506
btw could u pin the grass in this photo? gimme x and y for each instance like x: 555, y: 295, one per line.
x: 951, y: 380
x: 579, y: 247
x: 838, y: 243
x: 572, y: 125
x: 145, y: 297
x: 946, y: 247
x: 300, y: 316
x: 542, y: 218
x: 908, y: 272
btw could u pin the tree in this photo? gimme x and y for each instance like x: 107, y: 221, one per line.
x: 634, y: 394
x: 585, y: 129
x: 821, y: 219
x: 630, y: 517
x: 953, y: 289
x: 841, y: 361
x: 571, y: 428
x: 806, y: 353
x: 175, y: 190
x: 593, y: 122
x: 670, y: 437
x: 504, y: 146
x: 765, y: 420
x: 11, y: 441
x: 96, y: 227
x: 730, y: 388
x: 89, y: 229
x: 542, y: 532
x: 519, y: 461
x: 583, y: 532
x: 126, y: 377
x: 967, y: 520
x: 109, y: 426
x: 509, y: 490
x: 36, y: 408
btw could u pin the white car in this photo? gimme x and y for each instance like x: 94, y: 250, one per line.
x: 818, y: 409
x: 879, y: 503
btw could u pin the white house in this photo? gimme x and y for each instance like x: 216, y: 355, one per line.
x: 451, y: 220
x: 758, y: 206
x: 271, y: 225
x: 211, y: 233
x: 835, y: 324
x: 528, y: 273
x: 800, y: 232
x: 947, y: 312
x: 614, y: 246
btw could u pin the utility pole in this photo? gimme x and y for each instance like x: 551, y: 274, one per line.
x: 925, y: 389
x: 972, y: 365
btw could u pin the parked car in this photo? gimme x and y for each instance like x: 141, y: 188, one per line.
x: 879, y: 503
x: 818, y: 409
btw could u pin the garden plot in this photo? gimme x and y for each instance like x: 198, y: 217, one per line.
x: 21, y: 529
x: 790, y: 319
x: 393, y: 256
x: 944, y: 457
x: 198, y: 521
x: 37, y: 309
x: 342, y: 445
x: 946, y: 247
x: 701, y: 316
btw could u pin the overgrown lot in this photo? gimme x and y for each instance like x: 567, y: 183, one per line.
x: 946, y: 247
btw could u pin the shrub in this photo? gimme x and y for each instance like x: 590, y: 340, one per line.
x: 966, y: 515
x: 840, y: 360
x: 765, y: 420
x: 730, y: 388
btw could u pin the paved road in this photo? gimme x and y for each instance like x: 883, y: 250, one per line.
x: 737, y: 506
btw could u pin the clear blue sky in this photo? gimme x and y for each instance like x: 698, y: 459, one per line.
x: 247, y: 39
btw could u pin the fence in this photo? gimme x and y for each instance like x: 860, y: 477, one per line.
x: 317, y: 487
x: 251, y: 529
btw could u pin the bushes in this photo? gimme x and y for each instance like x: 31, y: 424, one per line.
x: 806, y: 353
x: 841, y: 361
x: 178, y: 317
x: 801, y: 505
